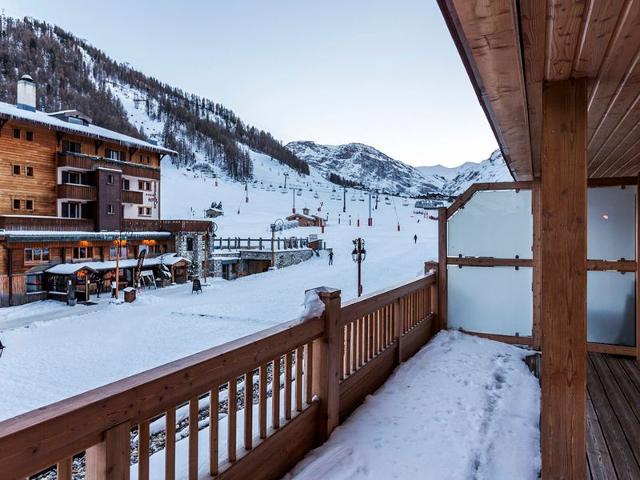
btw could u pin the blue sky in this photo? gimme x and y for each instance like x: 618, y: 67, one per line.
x: 333, y: 71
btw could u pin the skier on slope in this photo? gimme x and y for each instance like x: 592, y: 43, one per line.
x: 415, y: 238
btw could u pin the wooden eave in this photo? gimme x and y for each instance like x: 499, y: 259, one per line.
x: 511, y: 48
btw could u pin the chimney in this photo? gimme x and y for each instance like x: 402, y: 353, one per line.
x: 26, y: 93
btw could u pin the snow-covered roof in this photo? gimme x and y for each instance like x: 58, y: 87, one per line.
x: 71, y: 268
x: 8, y: 110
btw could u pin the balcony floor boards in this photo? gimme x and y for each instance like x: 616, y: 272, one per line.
x: 613, y: 417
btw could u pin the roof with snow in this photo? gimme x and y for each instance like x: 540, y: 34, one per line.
x: 168, y: 259
x: 52, y: 121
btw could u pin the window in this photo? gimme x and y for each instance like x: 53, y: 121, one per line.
x: 16, y: 133
x: 72, y: 210
x: 82, y: 253
x: 110, y: 209
x: 29, y: 171
x: 16, y: 204
x: 30, y: 136
x: 17, y: 169
x: 36, y: 255
x: 123, y: 252
x: 28, y: 204
x: 73, y: 147
x: 113, y: 154
x: 144, y: 211
x: 189, y: 244
x: 144, y: 185
x: 126, y: 185
x: 78, y: 178
x: 34, y: 282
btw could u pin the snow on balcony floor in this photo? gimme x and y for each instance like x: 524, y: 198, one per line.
x: 462, y: 408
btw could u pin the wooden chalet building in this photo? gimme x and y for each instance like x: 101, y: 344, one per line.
x: 304, y: 219
x: 69, y: 191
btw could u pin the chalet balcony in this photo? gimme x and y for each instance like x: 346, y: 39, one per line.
x: 90, y: 162
x: 131, y: 196
x: 142, y: 225
x: 77, y: 192
x: 39, y: 223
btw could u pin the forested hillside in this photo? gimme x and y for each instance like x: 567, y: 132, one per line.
x: 71, y: 74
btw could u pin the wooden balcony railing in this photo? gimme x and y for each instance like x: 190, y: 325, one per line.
x: 40, y: 223
x: 77, y: 192
x: 89, y: 162
x: 328, y: 365
x: 141, y: 225
x: 236, y: 243
x: 131, y: 196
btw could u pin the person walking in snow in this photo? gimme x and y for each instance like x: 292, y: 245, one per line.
x: 331, y: 257
x: 415, y: 238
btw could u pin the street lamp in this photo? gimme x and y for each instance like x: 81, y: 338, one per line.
x: 358, y: 255
x: 285, y: 180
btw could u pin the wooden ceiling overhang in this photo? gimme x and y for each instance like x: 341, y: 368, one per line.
x: 510, y: 48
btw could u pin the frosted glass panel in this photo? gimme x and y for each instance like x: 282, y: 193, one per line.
x: 493, y: 224
x: 612, y: 223
x: 611, y: 308
x: 490, y: 299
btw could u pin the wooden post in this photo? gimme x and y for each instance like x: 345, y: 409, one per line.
x: 326, y: 364
x: 562, y: 262
x: 109, y: 460
x: 442, y: 268
x: 536, y: 204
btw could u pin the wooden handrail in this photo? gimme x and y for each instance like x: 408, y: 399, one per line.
x: 359, y: 307
x: 40, y: 438
x: 396, y: 321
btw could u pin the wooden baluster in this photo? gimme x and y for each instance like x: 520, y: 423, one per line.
x: 170, y: 445
x: 194, y: 411
x: 248, y: 410
x: 343, y: 349
x: 370, y: 337
x: 287, y: 386
x: 356, y: 344
x: 143, y: 450
x: 214, y: 405
x: 262, y: 401
x: 64, y: 469
x: 232, y: 407
x: 299, y: 363
x: 374, y: 320
x: 349, y: 349
x: 275, y: 394
x: 309, y: 372
x: 361, y: 341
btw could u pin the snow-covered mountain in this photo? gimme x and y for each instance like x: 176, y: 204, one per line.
x: 457, y: 179
x: 364, y: 165
x: 371, y: 168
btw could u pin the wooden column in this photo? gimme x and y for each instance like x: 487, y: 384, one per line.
x: 536, y: 204
x: 326, y: 364
x: 442, y: 268
x: 109, y: 460
x: 562, y: 263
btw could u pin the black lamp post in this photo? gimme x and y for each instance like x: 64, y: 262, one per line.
x: 358, y: 255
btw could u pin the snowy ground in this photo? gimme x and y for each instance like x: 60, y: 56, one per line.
x: 462, y: 408
x: 54, y: 351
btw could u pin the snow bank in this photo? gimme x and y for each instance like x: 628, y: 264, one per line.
x: 312, y: 306
x: 462, y: 407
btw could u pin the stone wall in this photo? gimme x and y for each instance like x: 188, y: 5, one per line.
x: 284, y: 258
x: 196, y: 256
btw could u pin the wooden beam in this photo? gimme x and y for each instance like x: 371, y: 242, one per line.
x: 536, y: 206
x: 564, y: 24
x: 489, y: 262
x: 611, y: 349
x: 442, y: 268
x: 563, y: 253
x: 607, y: 265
